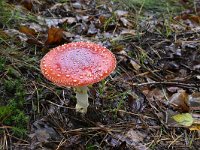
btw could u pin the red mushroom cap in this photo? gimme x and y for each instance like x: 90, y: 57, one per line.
x: 77, y: 64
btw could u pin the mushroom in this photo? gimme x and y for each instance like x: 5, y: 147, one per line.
x: 78, y: 64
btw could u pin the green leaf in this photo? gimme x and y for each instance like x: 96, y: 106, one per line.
x: 184, y: 119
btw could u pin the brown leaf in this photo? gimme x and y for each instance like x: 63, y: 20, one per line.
x: 133, y: 139
x: 193, y: 18
x: 102, y: 19
x: 27, y: 30
x: 34, y: 41
x: 29, y: 35
x: 119, y: 48
x: 135, y: 136
x: 173, y: 89
x: 135, y: 65
x: 194, y: 101
x: 28, y: 4
x: 133, y: 101
x: 154, y: 94
x: 179, y: 101
x: 195, y: 127
x: 55, y: 35
x: 42, y: 133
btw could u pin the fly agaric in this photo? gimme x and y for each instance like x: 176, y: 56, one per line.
x: 78, y: 64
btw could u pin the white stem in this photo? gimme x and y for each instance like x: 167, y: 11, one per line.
x: 82, y: 99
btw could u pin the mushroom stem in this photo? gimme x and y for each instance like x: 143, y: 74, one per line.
x: 82, y: 99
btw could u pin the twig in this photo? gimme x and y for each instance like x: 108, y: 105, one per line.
x: 185, y: 85
x: 110, y: 128
x: 175, y: 140
x: 60, y: 105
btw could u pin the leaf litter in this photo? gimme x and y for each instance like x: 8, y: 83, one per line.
x: 151, y: 101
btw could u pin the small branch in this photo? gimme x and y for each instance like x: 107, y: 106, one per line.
x: 185, y: 85
x: 118, y: 127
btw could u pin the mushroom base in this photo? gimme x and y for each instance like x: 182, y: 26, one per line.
x: 82, y: 99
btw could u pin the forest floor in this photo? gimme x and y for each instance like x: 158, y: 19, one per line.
x: 150, y: 101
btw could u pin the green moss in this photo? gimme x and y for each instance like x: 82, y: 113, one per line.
x: 12, y: 99
x: 5, y: 12
x: 2, y: 63
x: 15, y: 118
x: 11, y: 16
x: 12, y: 113
x: 151, y: 5
x: 91, y: 147
x: 5, y: 111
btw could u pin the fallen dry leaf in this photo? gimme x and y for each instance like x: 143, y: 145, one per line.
x: 179, y: 101
x: 173, y: 89
x: 55, y: 35
x: 135, y: 65
x: 191, y: 17
x: 194, y: 101
x: 184, y: 119
x: 16, y: 33
x: 135, y: 136
x: 28, y: 4
x: 133, y: 102
x: 195, y: 127
x: 154, y: 94
x: 42, y: 133
x: 26, y: 30
x: 196, y: 123
x: 102, y: 19
x: 34, y: 41
x: 133, y: 139
x: 53, y: 22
